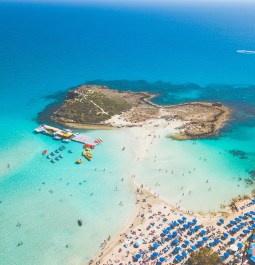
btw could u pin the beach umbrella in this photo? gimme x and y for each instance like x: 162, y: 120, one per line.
x: 138, y: 256
x: 245, y: 231
x: 165, y: 232
x: 247, y: 214
x: 239, y: 226
x: 253, y: 226
x: 237, y: 219
x: 225, y: 235
x: 186, y: 242
x: 239, y: 245
x: 155, y: 245
x: 233, y: 247
x: 243, y: 223
x: 189, y: 223
x: 203, y: 232
x: 169, y: 228
x: 169, y: 236
x: 240, y: 216
x: 175, y: 233
x: 205, y: 238
x: 211, y: 244
x: 232, y: 222
x: 137, y: 243
x: 178, y: 258
x: 197, y: 227
x: 180, y: 221
x: 252, y: 212
x: 253, y: 201
x: 175, y: 223
x: 221, y: 221
x: 177, y: 249
x: 155, y: 254
x: 253, y: 219
x: 200, y: 243
x: 192, y: 230
x: 161, y: 259
x: 175, y: 241
x: 249, y: 228
x: 193, y: 247
x: 185, y: 226
x: 184, y: 254
x: 194, y: 221
x: 216, y: 240
x: 232, y: 239
x: 184, y: 218
x: 226, y: 254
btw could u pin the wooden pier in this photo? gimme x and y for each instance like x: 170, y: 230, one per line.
x: 66, y: 135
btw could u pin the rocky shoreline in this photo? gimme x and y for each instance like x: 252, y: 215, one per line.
x: 99, y: 107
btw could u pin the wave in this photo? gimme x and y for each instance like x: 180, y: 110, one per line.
x: 245, y: 52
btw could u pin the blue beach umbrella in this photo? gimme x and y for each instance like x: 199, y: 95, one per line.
x: 185, y: 226
x: 161, y: 259
x: 169, y: 236
x: 211, y: 244
x: 252, y: 212
x: 192, y: 230
x: 165, y: 232
x: 175, y: 241
x: 194, y: 221
x: 249, y: 228
x: 177, y: 249
x: 186, y: 242
x: 253, y: 201
x: 240, y: 245
x: 245, y: 231
x: 226, y: 254
x: 138, y: 256
x: 180, y: 221
x: 175, y: 223
x: 155, y: 254
x: 240, y: 216
x: 216, y: 240
x: 155, y: 245
x: 247, y: 214
x: 184, y: 218
x: 197, y: 227
x: 169, y: 228
x: 221, y: 221
x: 175, y: 233
x: 189, y: 223
x: 232, y: 222
x: 193, y: 247
x: 225, y: 235
x: 232, y: 239
x: 205, y: 238
x: 178, y: 258
x: 200, y: 243
x: 184, y: 254
x: 203, y: 232
x: 253, y: 226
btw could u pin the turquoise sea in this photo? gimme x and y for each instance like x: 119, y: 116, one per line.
x: 184, y: 53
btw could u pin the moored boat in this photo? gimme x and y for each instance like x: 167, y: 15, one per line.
x: 45, y: 152
x: 78, y: 161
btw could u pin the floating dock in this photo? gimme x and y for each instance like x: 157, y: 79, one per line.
x: 66, y: 135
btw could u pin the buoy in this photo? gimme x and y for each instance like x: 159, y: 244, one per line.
x: 45, y: 152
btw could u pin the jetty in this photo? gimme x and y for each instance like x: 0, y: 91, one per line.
x: 66, y: 135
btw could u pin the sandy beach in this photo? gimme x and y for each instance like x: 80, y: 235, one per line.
x: 153, y: 215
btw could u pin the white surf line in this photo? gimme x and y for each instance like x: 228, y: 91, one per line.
x: 245, y: 52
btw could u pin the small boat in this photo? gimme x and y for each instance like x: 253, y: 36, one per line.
x: 57, y: 158
x: 70, y: 151
x: 60, y: 148
x: 48, y: 156
x: 63, y: 147
x: 78, y: 161
x: 52, y: 153
x: 52, y: 161
x: 87, y: 154
x: 60, y: 156
x: 66, y: 140
x: 45, y: 152
x: 57, y: 151
x: 56, y: 137
x: 79, y: 222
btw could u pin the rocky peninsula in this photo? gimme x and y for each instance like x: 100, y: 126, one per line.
x: 93, y: 106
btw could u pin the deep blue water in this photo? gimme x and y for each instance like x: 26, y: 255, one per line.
x: 184, y: 53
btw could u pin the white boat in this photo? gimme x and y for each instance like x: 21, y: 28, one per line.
x: 66, y: 140
x: 56, y: 137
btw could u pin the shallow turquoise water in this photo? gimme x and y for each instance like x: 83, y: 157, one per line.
x: 47, y: 49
